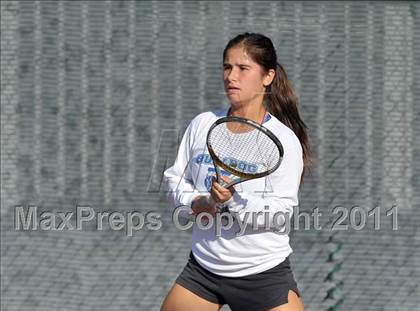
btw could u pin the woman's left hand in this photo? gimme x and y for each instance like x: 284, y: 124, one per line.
x: 219, y: 193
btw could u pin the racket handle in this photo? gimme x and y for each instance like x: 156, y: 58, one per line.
x: 218, y: 178
x: 224, y: 184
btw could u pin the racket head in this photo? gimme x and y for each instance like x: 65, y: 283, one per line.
x: 243, y: 148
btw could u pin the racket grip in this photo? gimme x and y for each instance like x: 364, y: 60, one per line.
x: 223, y: 183
x: 219, y: 179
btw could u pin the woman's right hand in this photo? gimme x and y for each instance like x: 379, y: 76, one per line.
x: 203, y: 203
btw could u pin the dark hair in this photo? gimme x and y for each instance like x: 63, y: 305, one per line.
x: 281, y: 99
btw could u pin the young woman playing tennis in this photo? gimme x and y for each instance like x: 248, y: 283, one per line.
x: 250, y: 271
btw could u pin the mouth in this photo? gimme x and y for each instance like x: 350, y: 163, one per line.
x: 233, y: 89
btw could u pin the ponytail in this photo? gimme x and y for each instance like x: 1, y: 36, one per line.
x: 282, y: 102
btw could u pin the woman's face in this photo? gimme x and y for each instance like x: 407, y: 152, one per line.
x: 244, y: 80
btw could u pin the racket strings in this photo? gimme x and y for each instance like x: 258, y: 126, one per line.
x: 244, y: 147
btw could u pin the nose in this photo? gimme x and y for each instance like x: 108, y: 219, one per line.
x: 231, y: 75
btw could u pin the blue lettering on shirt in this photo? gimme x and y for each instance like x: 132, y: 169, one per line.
x: 241, y: 166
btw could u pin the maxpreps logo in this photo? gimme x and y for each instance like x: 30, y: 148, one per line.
x: 240, y: 165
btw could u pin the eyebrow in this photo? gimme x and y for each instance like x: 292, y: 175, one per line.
x: 241, y: 65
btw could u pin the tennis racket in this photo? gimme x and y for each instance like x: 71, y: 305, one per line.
x: 242, y: 149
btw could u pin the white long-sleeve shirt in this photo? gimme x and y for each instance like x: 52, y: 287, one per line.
x: 260, y: 246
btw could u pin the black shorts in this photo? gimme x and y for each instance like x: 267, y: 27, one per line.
x: 257, y: 292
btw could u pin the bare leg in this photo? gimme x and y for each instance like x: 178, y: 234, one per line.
x: 294, y: 303
x: 181, y: 299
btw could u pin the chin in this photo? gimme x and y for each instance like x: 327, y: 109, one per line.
x: 234, y: 99
x: 235, y: 103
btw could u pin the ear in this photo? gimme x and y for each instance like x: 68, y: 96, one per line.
x: 269, y: 77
